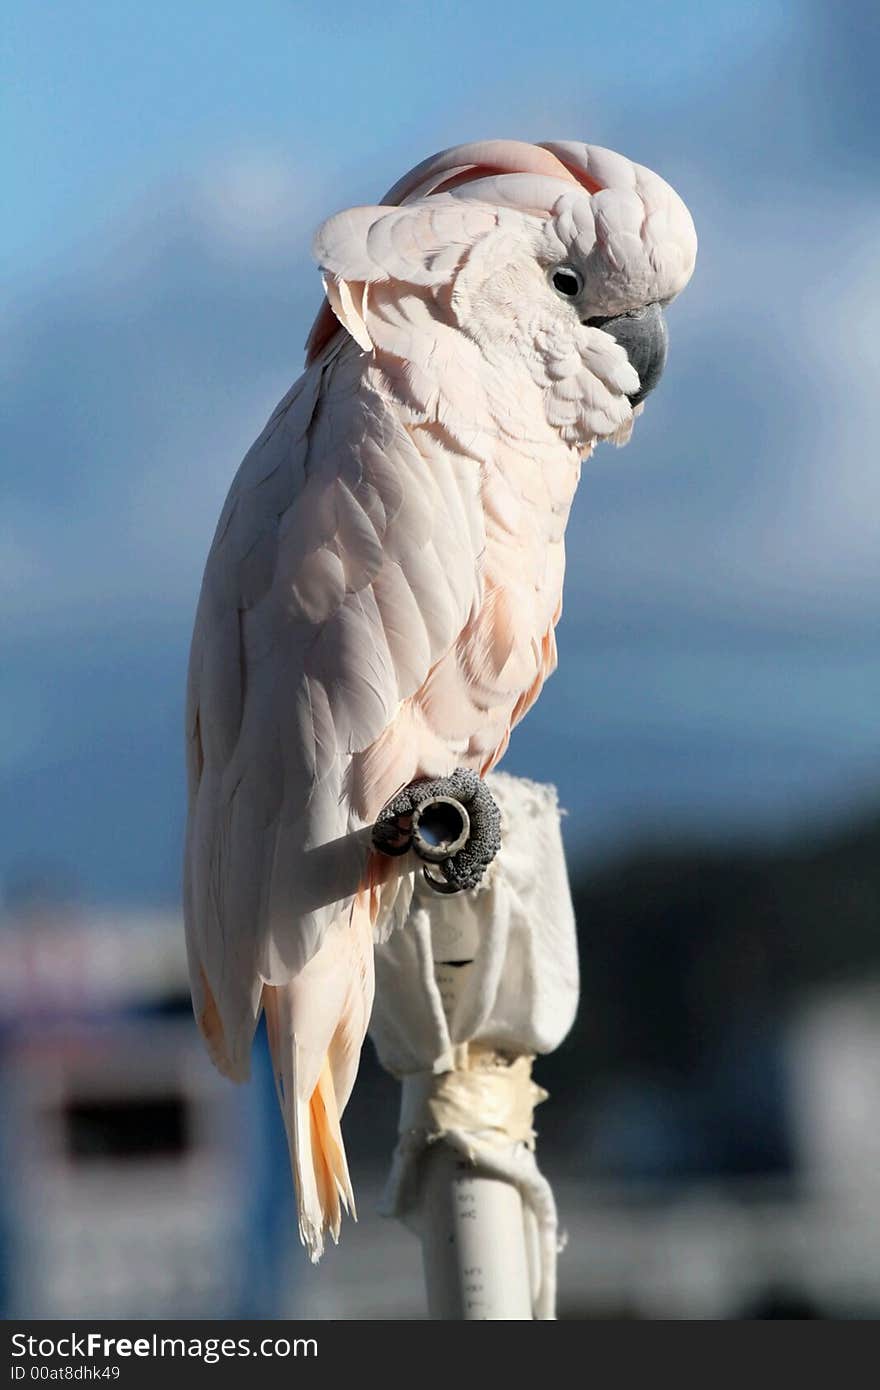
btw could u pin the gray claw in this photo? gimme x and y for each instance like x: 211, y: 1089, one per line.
x: 463, y: 869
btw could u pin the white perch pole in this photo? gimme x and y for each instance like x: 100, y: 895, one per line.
x: 469, y: 988
x: 472, y: 1226
x: 473, y: 1242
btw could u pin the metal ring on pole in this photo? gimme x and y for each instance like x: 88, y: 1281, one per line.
x: 440, y: 828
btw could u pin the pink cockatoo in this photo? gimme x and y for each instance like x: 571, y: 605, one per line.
x: 380, y: 598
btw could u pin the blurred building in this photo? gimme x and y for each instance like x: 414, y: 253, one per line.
x: 140, y: 1183
x: 801, y: 1243
x: 136, y: 1180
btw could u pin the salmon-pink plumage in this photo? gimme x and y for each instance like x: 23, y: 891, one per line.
x: 380, y: 598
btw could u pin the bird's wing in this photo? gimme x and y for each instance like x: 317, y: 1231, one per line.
x: 342, y: 569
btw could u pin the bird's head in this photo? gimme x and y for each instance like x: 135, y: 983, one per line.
x: 561, y: 256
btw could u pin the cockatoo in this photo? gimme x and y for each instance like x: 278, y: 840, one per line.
x: 380, y: 598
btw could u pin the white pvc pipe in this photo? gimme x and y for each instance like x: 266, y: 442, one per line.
x: 472, y: 1225
x: 473, y: 1242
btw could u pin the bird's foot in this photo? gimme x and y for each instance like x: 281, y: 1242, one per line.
x: 453, y: 823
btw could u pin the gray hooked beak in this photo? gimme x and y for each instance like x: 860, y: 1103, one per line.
x: 643, y: 335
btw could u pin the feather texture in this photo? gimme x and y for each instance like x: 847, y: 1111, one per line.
x: 380, y: 598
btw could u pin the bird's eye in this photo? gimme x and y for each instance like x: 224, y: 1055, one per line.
x: 567, y: 281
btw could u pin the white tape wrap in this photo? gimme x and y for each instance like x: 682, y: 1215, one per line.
x: 484, y: 1084
x: 469, y: 989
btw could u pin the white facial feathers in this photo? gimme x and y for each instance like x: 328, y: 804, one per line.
x: 421, y: 244
x: 476, y: 236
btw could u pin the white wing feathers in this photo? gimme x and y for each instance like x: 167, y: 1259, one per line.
x: 344, y: 566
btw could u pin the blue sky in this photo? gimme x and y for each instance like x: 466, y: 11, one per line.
x: 719, y: 654
x: 110, y: 99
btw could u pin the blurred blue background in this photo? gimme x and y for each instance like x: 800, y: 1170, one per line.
x: 164, y: 168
